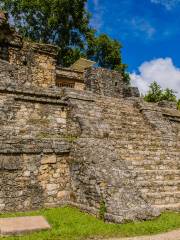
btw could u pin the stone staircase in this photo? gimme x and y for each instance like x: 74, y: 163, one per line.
x: 154, y: 158
x: 122, y: 157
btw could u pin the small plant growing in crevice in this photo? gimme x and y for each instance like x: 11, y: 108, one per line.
x: 102, y: 210
x: 70, y: 138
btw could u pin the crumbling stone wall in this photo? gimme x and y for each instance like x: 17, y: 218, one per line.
x: 34, y: 62
x: 31, y: 181
x: 108, y: 83
x: 34, y: 145
x: 104, y: 82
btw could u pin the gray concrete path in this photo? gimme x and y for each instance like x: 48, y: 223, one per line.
x: 20, y: 225
x: 173, y: 235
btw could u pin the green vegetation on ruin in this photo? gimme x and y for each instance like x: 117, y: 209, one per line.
x: 71, y: 224
x: 157, y: 94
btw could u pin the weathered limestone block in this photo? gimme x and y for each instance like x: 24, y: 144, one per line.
x: 48, y: 159
x: 79, y: 86
x: 9, y: 163
x: 167, y: 104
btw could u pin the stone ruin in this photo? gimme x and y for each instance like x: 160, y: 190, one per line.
x: 81, y: 138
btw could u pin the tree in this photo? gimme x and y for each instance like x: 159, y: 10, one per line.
x: 154, y: 94
x: 168, y: 95
x: 157, y: 94
x: 66, y: 24
x: 107, y: 53
x: 60, y: 22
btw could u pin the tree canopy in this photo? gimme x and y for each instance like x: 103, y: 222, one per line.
x: 106, y: 52
x: 66, y: 24
x: 157, y: 94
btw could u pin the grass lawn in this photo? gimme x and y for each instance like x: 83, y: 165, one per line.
x: 71, y: 224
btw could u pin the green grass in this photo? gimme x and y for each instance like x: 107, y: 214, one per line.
x: 71, y: 224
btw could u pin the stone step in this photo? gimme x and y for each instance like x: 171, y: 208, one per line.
x: 114, y: 122
x: 159, y: 186
x: 163, y: 198
x: 172, y: 207
x: 116, y: 115
x: 110, y: 106
x: 115, y: 102
x: 146, y: 156
x: 120, y: 112
x: 154, y: 163
x: 158, y: 183
x: 166, y: 165
x: 119, y: 132
x: 165, y: 171
x: 153, y: 143
x: 131, y: 127
x: 161, y: 175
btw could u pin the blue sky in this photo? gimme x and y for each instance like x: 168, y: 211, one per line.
x: 149, y: 31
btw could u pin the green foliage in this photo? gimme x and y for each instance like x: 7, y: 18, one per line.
x: 60, y: 22
x: 66, y: 24
x: 168, y: 95
x: 156, y: 94
x: 102, y: 210
x: 71, y: 224
x: 107, y: 53
x: 178, y: 104
x: 122, y: 68
x: 70, y: 138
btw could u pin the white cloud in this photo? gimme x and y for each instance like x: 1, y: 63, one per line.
x: 142, y: 26
x: 161, y: 70
x: 168, y: 4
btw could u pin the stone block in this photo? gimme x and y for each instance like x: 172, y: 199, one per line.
x: 48, y: 159
x: 63, y: 195
x: 20, y: 225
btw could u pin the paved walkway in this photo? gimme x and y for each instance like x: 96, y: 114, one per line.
x: 173, y: 235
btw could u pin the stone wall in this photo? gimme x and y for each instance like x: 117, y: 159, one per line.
x: 35, y: 63
x: 108, y: 83
x: 104, y: 82
x: 38, y: 63
x: 35, y: 142
x: 31, y: 181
